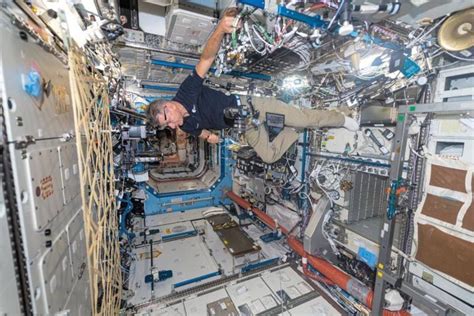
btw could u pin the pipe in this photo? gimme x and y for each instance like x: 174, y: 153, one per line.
x: 316, y: 6
x: 313, y: 276
x: 158, y: 50
x: 266, y: 219
x: 353, y: 286
x: 159, y: 87
x: 235, y: 73
x: 390, y: 8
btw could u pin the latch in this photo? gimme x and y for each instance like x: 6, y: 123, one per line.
x: 25, y: 142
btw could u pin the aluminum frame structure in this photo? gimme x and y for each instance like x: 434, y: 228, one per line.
x: 384, y: 275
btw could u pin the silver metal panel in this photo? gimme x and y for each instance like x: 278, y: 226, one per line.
x: 56, y: 270
x: 314, y: 242
x: 434, y: 293
x: 44, y: 185
x: 419, y: 270
x: 187, y: 27
x: 46, y: 120
x: 317, y: 306
x: 188, y: 258
x: 169, y: 218
x: 174, y: 310
x: 367, y: 197
x: 257, y: 186
x: 69, y: 172
x: 466, y: 90
x: 253, y: 295
x: 415, y: 11
x: 287, y: 280
x: 77, y: 245
x: 53, y: 116
x: 78, y: 303
x: 198, y: 305
x: 369, y: 228
x: 439, y: 107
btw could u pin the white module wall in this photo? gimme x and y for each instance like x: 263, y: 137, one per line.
x: 45, y: 172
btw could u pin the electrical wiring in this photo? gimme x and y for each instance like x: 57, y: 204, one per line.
x: 315, y: 7
x: 316, y: 178
x: 234, y: 32
x: 306, y: 195
x: 458, y: 57
x: 287, y: 37
x: 247, y: 30
x: 260, y: 37
x: 336, y: 14
x: 341, y: 60
x: 414, y: 152
x: 365, y: 78
x: 445, y: 66
x: 436, y: 53
x: 422, y: 36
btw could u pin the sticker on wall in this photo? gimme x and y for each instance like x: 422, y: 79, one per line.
x: 45, y: 188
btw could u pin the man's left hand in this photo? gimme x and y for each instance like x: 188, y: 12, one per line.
x: 213, y: 139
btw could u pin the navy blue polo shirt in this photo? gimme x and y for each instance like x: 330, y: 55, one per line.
x: 204, y: 105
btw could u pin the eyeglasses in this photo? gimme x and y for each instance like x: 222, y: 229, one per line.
x: 165, y: 119
x: 164, y: 114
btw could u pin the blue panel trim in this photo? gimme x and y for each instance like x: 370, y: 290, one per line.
x: 258, y: 265
x: 313, y: 21
x: 173, y: 194
x: 188, y: 233
x: 367, y: 256
x: 197, y: 279
x: 254, y: 3
x: 123, y: 218
x: 380, y: 42
x: 271, y: 237
x: 159, y: 203
x: 159, y: 87
x: 170, y: 64
x: 409, y: 68
x: 250, y: 75
x: 161, y: 97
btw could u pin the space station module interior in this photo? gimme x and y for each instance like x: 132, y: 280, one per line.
x: 365, y: 206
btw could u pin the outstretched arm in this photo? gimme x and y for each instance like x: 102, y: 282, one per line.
x: 214, y: 42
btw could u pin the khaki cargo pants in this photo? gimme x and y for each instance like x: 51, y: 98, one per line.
x: 295, y: 118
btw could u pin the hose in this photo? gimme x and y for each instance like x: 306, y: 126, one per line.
x: 332, y: 274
